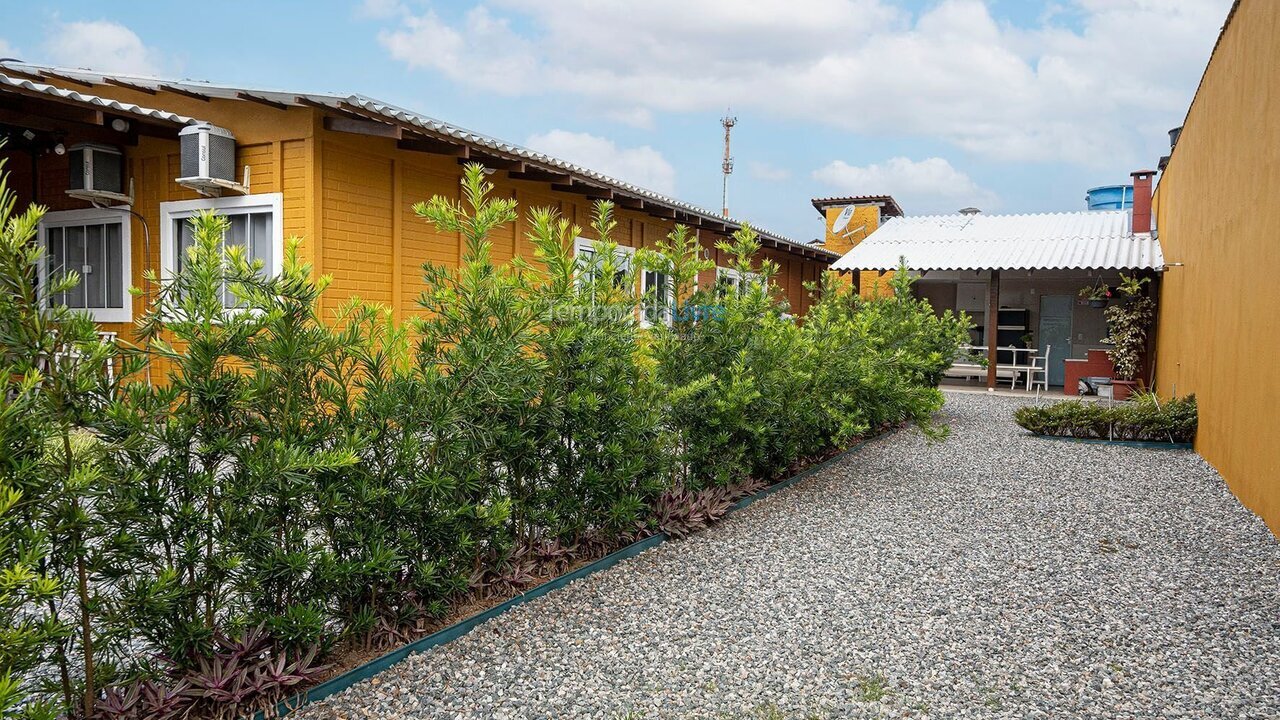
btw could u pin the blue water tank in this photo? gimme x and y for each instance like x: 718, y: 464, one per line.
x: 1110, y: 197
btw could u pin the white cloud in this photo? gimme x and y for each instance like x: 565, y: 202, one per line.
x: 767, y: 171
x: 101, y: 45
x: 7, y: 50
x: 641, y: 166
x: 484, y: 50
x: 1086, y: 83
x: 922, y: 187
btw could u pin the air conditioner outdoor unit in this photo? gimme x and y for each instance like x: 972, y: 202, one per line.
x: 96, y: 175
x: 96, y: 168
x: 208, y: 155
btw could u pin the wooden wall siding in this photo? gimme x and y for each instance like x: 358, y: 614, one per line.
x: 421, y: 242
x: 293, y: 161
x: 357, y: 225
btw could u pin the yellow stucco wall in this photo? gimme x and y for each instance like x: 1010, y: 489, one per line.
x: 865, y: 220
x: 1217, y: 214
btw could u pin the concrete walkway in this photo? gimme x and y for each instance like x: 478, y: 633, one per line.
x: 989, y: 575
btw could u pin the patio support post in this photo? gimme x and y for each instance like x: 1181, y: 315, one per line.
x: 992, y: 321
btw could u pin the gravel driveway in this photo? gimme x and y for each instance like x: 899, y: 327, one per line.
x: 990, y: 575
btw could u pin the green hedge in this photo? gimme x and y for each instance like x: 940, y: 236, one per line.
x: 259, y: 488
x: 1145, y: 417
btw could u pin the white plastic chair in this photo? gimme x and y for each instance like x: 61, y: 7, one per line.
x: 1039, y: 374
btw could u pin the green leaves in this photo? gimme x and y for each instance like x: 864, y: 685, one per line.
x: 262, y: 468
x: 1145, y: 417
x: 1127, y: 326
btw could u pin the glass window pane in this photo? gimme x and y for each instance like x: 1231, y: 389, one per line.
x: 91, y: 273
x: 237, y: 231
x: 56, y: 260
x: 186, y: 238
x: 237, y: 236
x: 75, y: 258
x: 260, y: 241
x: 113, y: 278
x: 252, y: 231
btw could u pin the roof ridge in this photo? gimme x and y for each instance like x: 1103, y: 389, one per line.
x: 170, y: 80
x: 1051, y: 213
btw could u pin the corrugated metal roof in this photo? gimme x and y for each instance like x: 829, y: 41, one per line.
x: 392, y: 113
x: 1050, y: 241
x: 122, y: 108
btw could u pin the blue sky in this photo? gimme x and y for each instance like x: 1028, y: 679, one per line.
x: 1009, y: 105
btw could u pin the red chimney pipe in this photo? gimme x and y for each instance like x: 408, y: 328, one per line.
x: 1142, y: 200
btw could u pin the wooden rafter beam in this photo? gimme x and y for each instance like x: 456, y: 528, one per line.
x: 128, y: 85
x: 493, y: 162
x: 82, y: 132
x: 183, y: 92
x: 541, y: 175
x: 433, y: 146
x: 65, y: 78
x: 262, y: 100
x: 363, y: 127
x: 659, y: 211
x: 580, y: 188
x: 712, y: 225
x: 628, y: 201
x: 329, y: 109
x: 38, y: 106
x: 4, y: 70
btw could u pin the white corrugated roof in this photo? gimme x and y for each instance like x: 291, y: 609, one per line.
x: 116, y: 106
x: 391, y: 113
x: 1049, y: 241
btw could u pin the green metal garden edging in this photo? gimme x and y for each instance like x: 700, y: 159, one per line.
x: 373, y: 667
x: 1150, y: 444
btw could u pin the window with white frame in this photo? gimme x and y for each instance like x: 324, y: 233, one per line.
x: 255, y: 222
x: 729, y: 279
x: 658, y: 292
x: 95, y: 245
x: 585, y: 250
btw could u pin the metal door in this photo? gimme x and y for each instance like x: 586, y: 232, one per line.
x: 1055, y: 332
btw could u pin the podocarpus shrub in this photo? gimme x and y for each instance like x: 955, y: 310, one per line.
x: 880, y: 359
x: 292, y: 484
x: 601, y: 454
x: 1144, y: 417
x: 29, y: 590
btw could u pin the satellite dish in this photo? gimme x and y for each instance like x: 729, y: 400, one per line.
x: 842, y: 220
x: 860, y: 228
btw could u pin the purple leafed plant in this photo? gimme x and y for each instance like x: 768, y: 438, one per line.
x: 243, y: 674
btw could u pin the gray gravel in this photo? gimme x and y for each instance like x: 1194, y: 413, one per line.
x: 990, y: 575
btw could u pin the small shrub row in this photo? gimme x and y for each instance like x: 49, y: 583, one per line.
x: 259, y: 488
x: 1144, y: 417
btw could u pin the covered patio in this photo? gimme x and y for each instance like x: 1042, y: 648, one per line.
x: 1026, y: 281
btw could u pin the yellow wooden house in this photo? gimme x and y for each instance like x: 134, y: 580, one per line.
x: 122, y: 161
